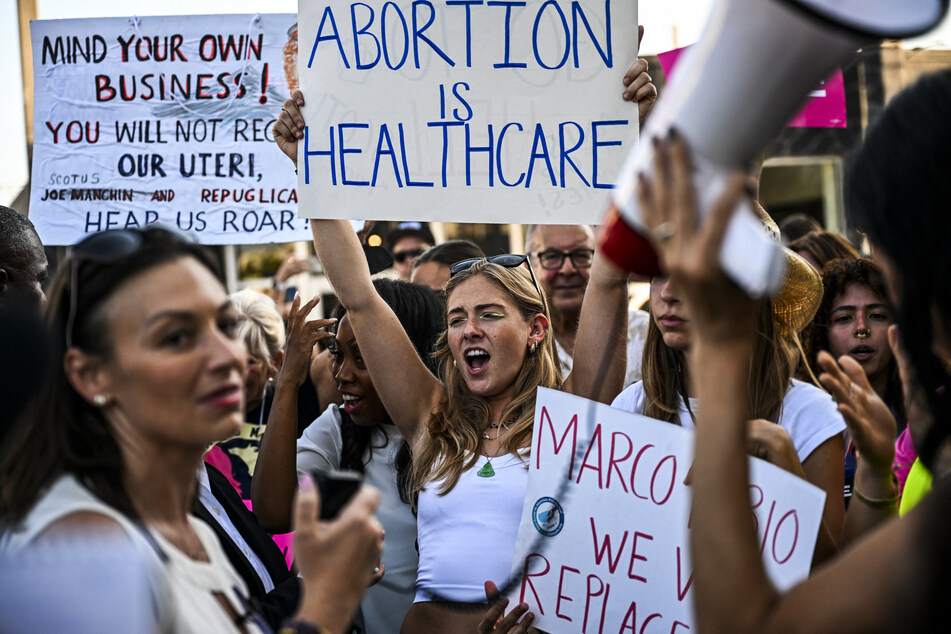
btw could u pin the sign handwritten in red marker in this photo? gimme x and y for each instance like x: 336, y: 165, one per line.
x: 603, y: 545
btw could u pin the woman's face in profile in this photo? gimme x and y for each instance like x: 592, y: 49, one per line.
x: 176, y: 373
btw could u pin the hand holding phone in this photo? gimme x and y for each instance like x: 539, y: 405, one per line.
x: 336, y: 488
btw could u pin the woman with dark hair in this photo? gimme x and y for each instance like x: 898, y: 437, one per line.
x: 818, y: 248
x: 151, y: 373
x: 896, y: 579
x: 470, y: 429
x: 853, y: 319
x: 432, y: 267
x: 360, y: 436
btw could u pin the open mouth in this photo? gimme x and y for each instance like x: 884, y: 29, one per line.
x: 351, y: 402
x: 476, y: 359
x: 862, y: 353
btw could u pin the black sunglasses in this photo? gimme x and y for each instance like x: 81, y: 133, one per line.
x: 402, y: 256
x: 108, y: 247
x: 508, y: 260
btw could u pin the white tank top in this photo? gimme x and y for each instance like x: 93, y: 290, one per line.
x: 468, y: 536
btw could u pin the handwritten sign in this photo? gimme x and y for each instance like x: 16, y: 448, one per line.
x: 163, y: 119
x: 477, y: 110
x: 604, y: 540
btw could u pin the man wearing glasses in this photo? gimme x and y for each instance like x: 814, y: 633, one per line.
x: 562, y: 255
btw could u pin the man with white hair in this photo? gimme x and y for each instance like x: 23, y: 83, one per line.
x: 561, y: 256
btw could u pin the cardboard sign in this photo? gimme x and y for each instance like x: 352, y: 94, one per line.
x: 603, y: 544
x: 166, y: 119
x: 464, y: 110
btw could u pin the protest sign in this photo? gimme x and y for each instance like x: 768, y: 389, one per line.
x: 603, y: 545
x: 825, y: 107
x: 165, y: 119
x: 497, y: 111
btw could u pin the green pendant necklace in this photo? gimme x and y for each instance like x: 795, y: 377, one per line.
x: 487, y: 471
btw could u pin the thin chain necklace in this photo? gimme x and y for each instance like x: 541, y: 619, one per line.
x: 487, y: 471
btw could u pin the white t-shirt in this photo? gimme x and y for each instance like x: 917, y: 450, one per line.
x: 386, y: 603
x: 468, y: 536
x: 187, y: 600
x: 808, y: 414
x: 637, y: 322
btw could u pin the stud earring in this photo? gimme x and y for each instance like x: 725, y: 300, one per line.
x: 99, y: 400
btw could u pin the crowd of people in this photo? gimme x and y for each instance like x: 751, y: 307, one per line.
x: 161, y: 417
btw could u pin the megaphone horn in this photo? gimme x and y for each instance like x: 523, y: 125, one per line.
x: 732, y: 93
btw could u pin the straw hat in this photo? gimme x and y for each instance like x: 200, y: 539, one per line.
x: 798, y: 299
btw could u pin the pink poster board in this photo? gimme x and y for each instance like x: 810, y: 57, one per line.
x: 824, y: 109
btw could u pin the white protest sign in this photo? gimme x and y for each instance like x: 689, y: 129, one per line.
x: 492, y: 111
x: 604, y: 538
x: 166, y: 119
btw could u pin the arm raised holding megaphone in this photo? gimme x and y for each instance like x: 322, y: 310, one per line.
x: 777, y: 51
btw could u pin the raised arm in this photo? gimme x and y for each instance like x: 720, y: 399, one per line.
x: 407, y: 388
x: 275, y: 475
x: 600, y: 358
x: 888, y: 579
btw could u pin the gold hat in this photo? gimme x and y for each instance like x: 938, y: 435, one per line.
x: 798, y: 299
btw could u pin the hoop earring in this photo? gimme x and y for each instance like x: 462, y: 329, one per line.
x: 532, y: 347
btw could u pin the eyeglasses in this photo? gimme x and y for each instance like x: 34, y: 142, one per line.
x: 508, y: 260
x: 108, y: 247
x: 402, y: 256
x: 552, y: 259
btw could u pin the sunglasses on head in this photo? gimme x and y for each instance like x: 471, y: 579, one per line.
x: 402, y: 256
x: 108, y: 247
x: 508, y: 260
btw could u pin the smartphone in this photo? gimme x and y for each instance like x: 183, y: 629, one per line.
x: 335, y: 488
x: 289, y: 293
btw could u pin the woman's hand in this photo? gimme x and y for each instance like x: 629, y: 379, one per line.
x: 689, y: 250
x: 301, y: 337
x: 638, y: 86
x: 290, y: 267
x: 770, y: 442
x: 493, y: 621
x: 336, y: 558
x: 289, y: 127
x: 870, y: 421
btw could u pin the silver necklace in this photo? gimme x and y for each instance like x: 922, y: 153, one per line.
x: 487, y: 471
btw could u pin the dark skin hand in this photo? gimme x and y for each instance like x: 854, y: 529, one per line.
x: 494, y: 621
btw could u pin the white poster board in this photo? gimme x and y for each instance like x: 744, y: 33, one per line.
x: 169, y: 119
x: 604, y: 536
x: 492, y: 111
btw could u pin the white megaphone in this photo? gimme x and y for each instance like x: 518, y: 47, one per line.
x: 731, y: 94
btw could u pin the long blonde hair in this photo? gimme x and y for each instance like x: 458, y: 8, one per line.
x: 771, y: 368
x: 455, y: 429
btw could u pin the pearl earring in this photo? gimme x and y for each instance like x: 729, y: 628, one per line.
x: 99, y: 400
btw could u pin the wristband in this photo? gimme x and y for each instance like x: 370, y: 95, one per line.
x: 879, y: 503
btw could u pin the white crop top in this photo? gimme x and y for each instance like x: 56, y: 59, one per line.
x: 467, y: 536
